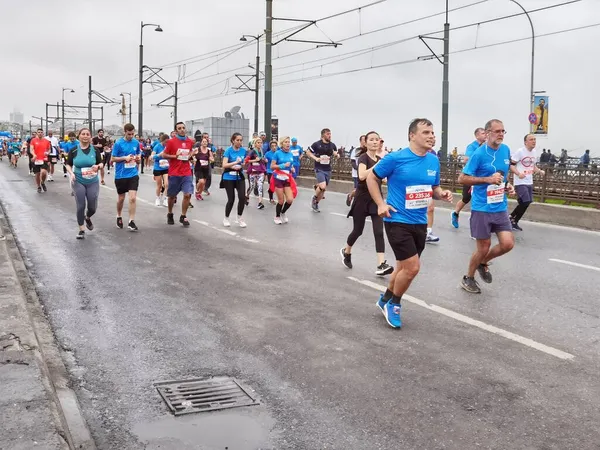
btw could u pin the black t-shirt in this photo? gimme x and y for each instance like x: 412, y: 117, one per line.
x: 367, y: 161
x: 323, y: 151
x: 99, y: 141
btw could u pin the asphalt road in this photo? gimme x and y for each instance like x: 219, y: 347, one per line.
x: 514, y: 368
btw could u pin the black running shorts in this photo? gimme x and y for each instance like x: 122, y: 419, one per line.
x: 125, y: 185
x: 406, y: 240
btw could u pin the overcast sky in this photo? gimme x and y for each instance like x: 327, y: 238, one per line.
x: 58, y: 43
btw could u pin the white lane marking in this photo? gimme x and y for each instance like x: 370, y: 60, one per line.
x: 106, y: 187
x: 144, y: 201
x: 228, y: 232
x: 346, y: 216
x: 476, y: 323
x: 583, y: 266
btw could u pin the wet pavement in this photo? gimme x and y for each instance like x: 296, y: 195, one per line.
x: 516, y: 367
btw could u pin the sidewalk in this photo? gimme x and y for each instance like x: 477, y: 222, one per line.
x: 28, y: 414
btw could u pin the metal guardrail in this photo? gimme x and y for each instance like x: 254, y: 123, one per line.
x: 566, y: 182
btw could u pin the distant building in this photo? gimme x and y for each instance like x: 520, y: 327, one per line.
x: 17, y: 117
x: 220, y: 129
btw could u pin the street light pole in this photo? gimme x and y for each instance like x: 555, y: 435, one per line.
x: 141, y: 75
x: 446, y: 85
x: 62, y: 115
x: 268, y: 68
x: 256, y: 76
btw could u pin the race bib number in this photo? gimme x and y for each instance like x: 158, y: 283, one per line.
x: 204, y: 162
x: 163, y: 163
x: 237, y: 167
x: 418, y: 197
x: 495, y: 194
x: 130, y: 165
x: 256, y: 164
x: 184, y: 155
x: 528, y: 172
x: 234, y: 173
x: 87, y: 173
x: 324, y: 159
x: 39, y: 162
x: 282, y: 176
x: 296, y: 153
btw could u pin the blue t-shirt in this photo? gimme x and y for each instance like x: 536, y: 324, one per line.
x: 485, y: 162
x: 410, y: 180
x: 68, y: 146
x: 125, y: 148
x: 269, y: 157
x: 297, y: 152
x: 158, y: 149
x: 281, y: 157
x: 471, y: 148
x: 232, y: 154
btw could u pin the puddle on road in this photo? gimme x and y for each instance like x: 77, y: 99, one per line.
x: 234, y: 429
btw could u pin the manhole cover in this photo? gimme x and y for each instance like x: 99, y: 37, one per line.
x: 201, y: 394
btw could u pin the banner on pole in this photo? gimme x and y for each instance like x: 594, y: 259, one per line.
x: 275, y: 129
x: 540, y: 109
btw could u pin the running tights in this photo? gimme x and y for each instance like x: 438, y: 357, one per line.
x: 107, y: 156
x: 208, y: 179
x: 256, y: 180
x: 519, y: 211
x: 83, y: 193
x: 359, y: 225
x: 269, y: 176
x: 230, y: 187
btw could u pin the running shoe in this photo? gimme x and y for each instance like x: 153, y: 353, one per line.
x: 109, y: 171
x: 277, y: 221
x: 384, y: 269
x: 346, y: 258
x: 191, y: 205
x: 198, y: 196
x: 226, y: 222
x: 39, y: 189
x: 315, y: 205
x: 240, y: 221
x: 261, y: 206
x: 206, y: 193
x: 65, y: 175
x: 157, y: 201
x: 454, y: 219
x: 102, y: 182
x: 170, y: 219
x: 470, y: 285
x: 88, y: 224
x: 256, y: 190
x: 348, y: 200
x: 284, y: 218
x: 515, y: 225
x: 184, y: 221
x: 381, y: 303
x: 484, y: 273
x: 44, y: 187
x: 431, y: 238
x: 392, y: 314
x: 50, y: 178
x: 247, y: 200
x: 131, y: 226
x: 80, y: 235
x: 120, y: 222
x: 272, y: 202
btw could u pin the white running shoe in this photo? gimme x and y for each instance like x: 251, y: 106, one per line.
x: 277, y: 221
x: 284, y: 218
x: 157, y: 202
x: 241, y: 223
x: 226, y: 222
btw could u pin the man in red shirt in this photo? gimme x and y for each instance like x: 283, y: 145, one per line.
x: 40, y: 148
x: 178, y: 151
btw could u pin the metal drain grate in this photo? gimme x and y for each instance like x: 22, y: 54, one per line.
x: 202, y: 394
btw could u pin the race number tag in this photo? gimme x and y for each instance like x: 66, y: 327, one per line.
x: 87, y: 173
x: 130, y: 165
x: 296, y: 153
x: 256, y: 164
x: 418, y: 197
x: 39, y: 162
x: 184, y: 155
x: 495, y: 194
x: 282, y: 176
x: 163, y: 163
x: 528, y: 172
x: 324, y: 159
x: 234, y: 173
x: 204, y: 162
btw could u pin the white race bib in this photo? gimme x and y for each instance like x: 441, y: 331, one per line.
x: 237, y: 167
x: 39, y: 162
x: 256, y: 164
x: 495, y: 194
x: 282, y: 176
x: 324, y: 159
x: 418, y: 197
x: 296, y: 153
x: 184, y: 155
x: 234, y: 173
x: 130, y: 165
x: 203, y: 162
x: 163, y: 163
x: 87, y: 173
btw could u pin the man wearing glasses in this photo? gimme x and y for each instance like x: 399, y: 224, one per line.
x: 487, y: 171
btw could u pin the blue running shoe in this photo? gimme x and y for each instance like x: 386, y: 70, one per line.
x: 381, y: 303
x: 454, y: 219
x: 392, y: 315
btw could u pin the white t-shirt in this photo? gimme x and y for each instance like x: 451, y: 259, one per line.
x: 353, y: 158
x: 54, y: 144
x: 525, y: 160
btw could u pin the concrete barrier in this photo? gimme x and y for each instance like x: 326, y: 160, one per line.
x: 570, y: 216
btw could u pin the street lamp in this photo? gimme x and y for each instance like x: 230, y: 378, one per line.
x: 62, y: 129
x: 257, y: 76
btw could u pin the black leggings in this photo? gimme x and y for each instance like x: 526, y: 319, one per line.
x: 269, y: 176
x: 359, y: 225
x: 466, y: 194
x: 107, y: 156
x: 230, y: 187
x: 520, y: 210
x: 208, y: 178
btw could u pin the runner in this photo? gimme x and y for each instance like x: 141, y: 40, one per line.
x: 281, y: 182
x: 69, y: 145
x: 354, y: 154
x: 14, y: 152
x: 413, y: 177
x: 126, y: 155
x: 179, y: 150
x: 256, y: 172
x: 39, y: 150
x: 83, y: 164
x: 321, y: 152
x: 204, y: 158
x: 100, y: 143
x: 487, y: 171
x: 213, y: 149
x: 525, y: 159
x: 160, y: 170
x: 53, y: 156
x: 480, y: 137
x: 271, y: 150
x: 363, y: 207
x: 298, y: 153
x: 233, y: 179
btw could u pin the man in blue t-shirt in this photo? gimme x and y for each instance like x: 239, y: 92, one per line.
x: 487, y: 171
x: 298, y: 152
x: 413, y: 179
x: 126, y: 155
x: 480, y: 137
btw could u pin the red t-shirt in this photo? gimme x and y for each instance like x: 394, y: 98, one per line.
x: 40, y: 148
x: 179, y: 167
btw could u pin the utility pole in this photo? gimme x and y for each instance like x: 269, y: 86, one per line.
x: 256, y: 86
x: 446, y: 85
x: 141, y: 84
x: 268, y: 69
x: 46, y: 119
x: 175, y: 108
x: 90, y: 105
